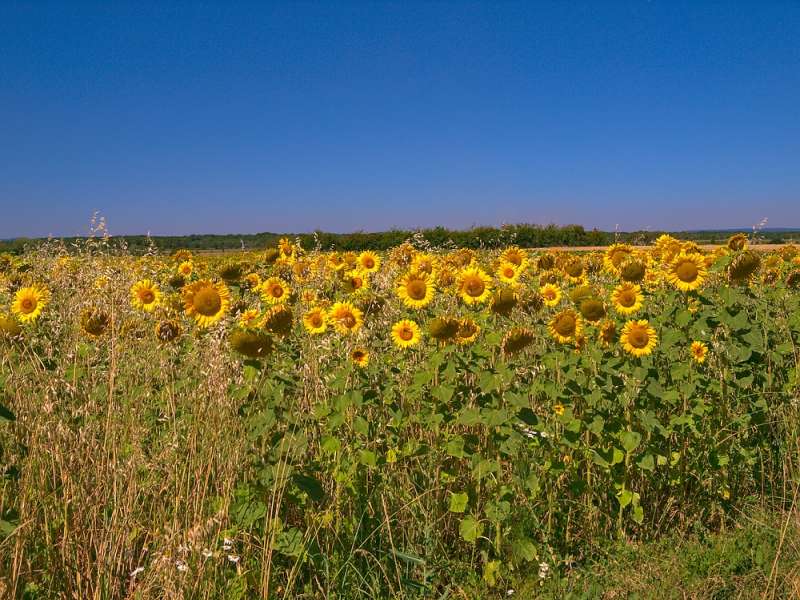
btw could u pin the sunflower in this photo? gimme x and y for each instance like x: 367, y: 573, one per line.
x: 206, y: 301
x: 592, y: 309
x: 574, y: 269
x: 248, y: 318
x: 315, y: 320
x: 551, y: 294
x: 251, y: 281
x: 424, y: 263
x: 687, y: 271
x: 607, y: 333
x: 182, y: 255
x: 369, y: 261
x: 406, y: 333
x: 186, y: 268
x: 565, y: 326
x: 737, y: 241
x: 503, y: 301
x: 474, y: 286
x: 699, y: 351
x: 29, y: 302
x: 468, y: 331
x: 145, y: 295
x: 360, y: 357
x: 356, y: 281
x: 638, y: 338
x: 516, y: 340
x: 249, y: 343
x: 515, y: 255
x: 275, y: 290
x: 633, y: 269
x: 508, y: 272
x: 9, y: 327
x: 743, y: 265
x: 627, y: 298
x: 345, y: 317
x: 94, y: 322
x: 278, y: 320
x: 167, y: 331
x: 415, y: 290
x: 443, y: 329
x: 615, y: 255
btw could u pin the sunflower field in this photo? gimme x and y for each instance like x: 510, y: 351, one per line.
x: 424, y: 422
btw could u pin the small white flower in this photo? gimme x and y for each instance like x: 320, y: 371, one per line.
x: 183, y: 549
x: 182, y: 566
x: 233, y: 558
x: 227, y: 544
x: 509, y: 592
x: 136, y: 571
x: 544, y: 568
x: 207, y: 553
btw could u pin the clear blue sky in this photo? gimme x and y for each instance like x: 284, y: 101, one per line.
x: 231, y: 117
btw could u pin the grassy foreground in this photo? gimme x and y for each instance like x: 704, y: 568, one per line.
x: 423, y: 423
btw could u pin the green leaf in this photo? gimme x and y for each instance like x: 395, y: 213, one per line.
x: 455, y: 447
x: 630, y: 440
x: 647, y: 462
x: 6, y: 415
x: 331, y: 445
x: 638, y: 514
x: 458, y: 502
x: 408, y: 558
x: 624, y: 497
x: 368, y: 458
x: 524, y: 550
x: 470, y: 529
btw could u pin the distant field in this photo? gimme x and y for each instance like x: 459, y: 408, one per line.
x: 421, y: 422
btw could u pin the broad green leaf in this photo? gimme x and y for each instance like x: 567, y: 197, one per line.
x: 458, y: 502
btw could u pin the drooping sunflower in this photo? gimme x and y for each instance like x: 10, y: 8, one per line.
x: 592, y: 309
x: 369, y: 261
x: 474, y: 285
x: 206, y: 301
x: 315, y: 321
x: 406, y: 333
x: 565, y: 326
x: 29, y: 302
x: 250, y: 343
x: 345, y: 317
x: 415, y: 289
x: 94, y: 321
x: 516, y: 340
x: 638, y: 338
x: 551, y: 294
x: 145, y: 295
x: 737, y: 242
x: 627, y: 298
x: 687, y: 271
x: 278, y: 320
x: 743, y: 266
x: 275, y: 290
x: 443, y: 329
x: 574, y: 269
x: 607, y: 333
x: 468, y: 331
x: 503, y: 301
x: 167, y: 331
x: 699, y: 352
x: 360, y: 357
x: 9, y: 327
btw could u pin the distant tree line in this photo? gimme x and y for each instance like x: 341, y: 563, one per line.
x: 524, y: 235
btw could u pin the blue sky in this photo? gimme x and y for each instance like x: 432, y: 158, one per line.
x: 233, y: 117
